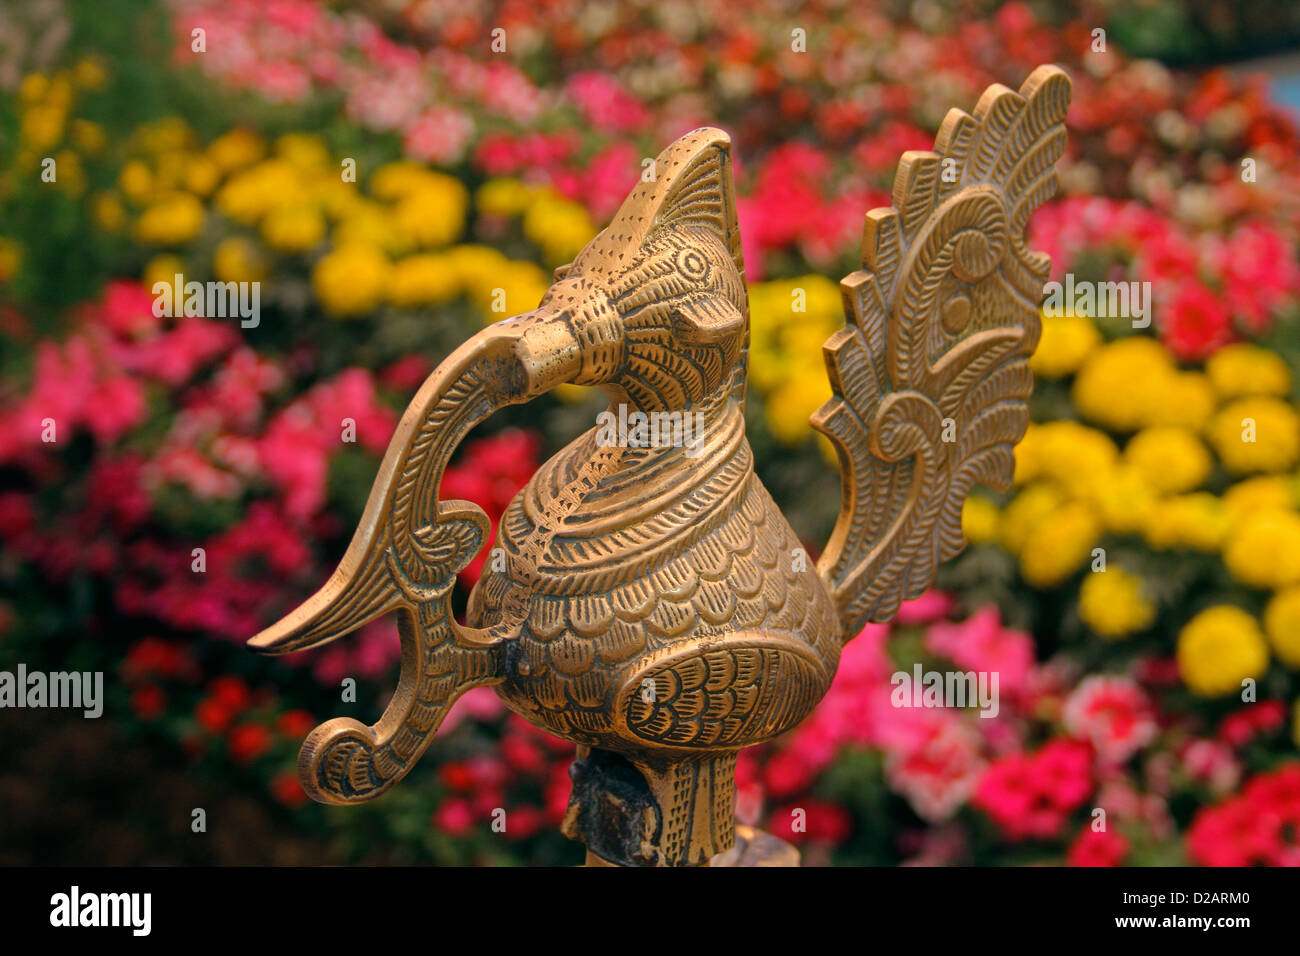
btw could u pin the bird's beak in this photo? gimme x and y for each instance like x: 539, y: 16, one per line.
x: 546, y: 351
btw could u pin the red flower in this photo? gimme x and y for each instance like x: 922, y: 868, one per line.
x: 456, y: 776
x: 151, y: 656
x: 523, y: 822
x: 810, y: 820
x: 230, y: 692
x: 788, y: 771
x: 295, y: 723
x: 1097, y: 848
x: 213, y: 715
x: 288, y: 790
x: 148, y: 703
x: 247, y: 742
x: 1195, y: 323
x: 1260, y: 826
x: 454, y: 816
x: 1242, y: 726
x: 522, y: 754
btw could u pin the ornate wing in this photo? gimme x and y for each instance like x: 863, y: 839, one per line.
x: 405, y: 556
x: 930, y: 377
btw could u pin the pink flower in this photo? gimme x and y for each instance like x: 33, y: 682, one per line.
x: 480, y: 703
x: 1030, y: 796
x: 605, y: 104
x: 938, y: 776
x: 126, y: 309
x: 116, y: 406
x: 930, y: 606
x: 1113, y: 713
x: 454, y: 816
x: 1258, y: 270
x: 439, y: 135
x: 982, y: 644
x: 1212, y: 763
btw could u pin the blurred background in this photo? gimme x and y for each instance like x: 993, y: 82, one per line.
x: 209, y: 138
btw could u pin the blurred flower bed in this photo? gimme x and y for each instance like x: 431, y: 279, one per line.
x: 1120, y: 690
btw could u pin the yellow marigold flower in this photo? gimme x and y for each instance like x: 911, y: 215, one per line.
x: 1256, y: 494
x: 1243, y: 369
x: 572, y: 394
x: 1282, y: 625
x: 503, y: 197
x: 1073, y: 454
x: 769, y: 368
x: 803, y: 300
x: 11, y: 257
x: 369, y: 223
x: 351, y: 281
x: 979, y: 519
x: 1197, y: 521
x: 1170, y: 459
x: 201, y: 175
x: 162, y: 268
x: 136, y: 181
x: 169, y: 169
x: 236, y: 149
x: 1119, y: 384
x: 251, y: 193
x: 1059, y: 545
x: 170, y: 221
x: 1263, y: 551
x: 788, y: 407
x: 432, y: 215
x: 33, y: 88
x: 1256, y: 434
x: 517, y: 288
x: 476, y: 267
x: 1218, y: 649
x: 1122, y: 497
x: 1113, y: 605
x: 164, y: 135
x: 238, y: 260
x: 90, y: 73
x: 395, y: 179
x: 1186, y: 399
x: 1035, y: 503
x: 1066, y: 341
x: 338, y: 198
x: 424, y: 279
x: 42, y: 127
x: 61, y: 92
x: 88, y: 137
x: 108, y: 212
x: 303, y: 150
x: 71, y: 174
x: 558, y: 226
x: 296, y: 228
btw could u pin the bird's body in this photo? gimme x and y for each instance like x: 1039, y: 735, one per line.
x: 641, y: 565
x: 648, y: 600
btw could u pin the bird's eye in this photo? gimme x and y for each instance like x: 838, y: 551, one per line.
x: 692, y: 265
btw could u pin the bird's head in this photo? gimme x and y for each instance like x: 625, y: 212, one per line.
x: 653, y: 310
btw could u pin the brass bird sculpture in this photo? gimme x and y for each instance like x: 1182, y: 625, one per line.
x: 649, y: 601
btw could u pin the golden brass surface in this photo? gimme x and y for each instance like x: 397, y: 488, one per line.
x: 648, y: 600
